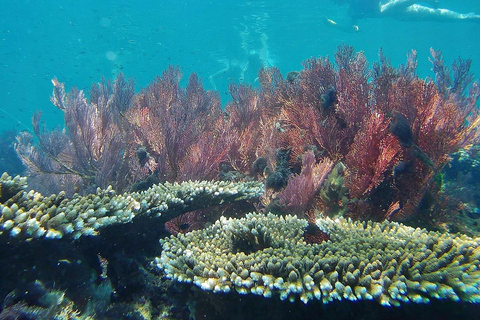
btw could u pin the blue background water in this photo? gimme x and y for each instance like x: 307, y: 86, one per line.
x: 222, y: 41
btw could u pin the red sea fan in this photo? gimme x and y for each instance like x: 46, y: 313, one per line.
x: 203, y: 159
x: 244, y: 122
x: 372, y: 156
x: 300, y: 192
x: 169, y: 120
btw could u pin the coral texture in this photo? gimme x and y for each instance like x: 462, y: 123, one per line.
x: 31, y: 215
x: 267, y: 255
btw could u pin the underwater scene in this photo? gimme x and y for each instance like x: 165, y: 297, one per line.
x: 240, y: 159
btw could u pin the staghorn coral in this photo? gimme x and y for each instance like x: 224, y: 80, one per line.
x: 267, y: 255
x: 30, y: 215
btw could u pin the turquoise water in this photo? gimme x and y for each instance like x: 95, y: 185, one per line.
x: 81, y: 41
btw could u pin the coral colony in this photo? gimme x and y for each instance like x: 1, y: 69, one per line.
x: 267, y: 255
x: 320, y: 155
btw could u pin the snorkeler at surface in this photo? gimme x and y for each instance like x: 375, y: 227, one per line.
x: 398, y: 9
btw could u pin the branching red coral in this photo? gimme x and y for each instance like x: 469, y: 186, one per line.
x: 180, y: 116
x: 391, y: 131
x: 373, y: 154
x: 300, y: 192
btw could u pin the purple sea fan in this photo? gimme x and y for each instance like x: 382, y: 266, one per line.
x: 299, y: 194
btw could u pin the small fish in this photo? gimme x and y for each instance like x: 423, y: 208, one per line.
x: 64, y: 261
x: 330, y: 21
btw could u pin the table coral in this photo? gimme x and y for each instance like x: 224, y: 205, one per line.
x: 30, y: 215
x: 267, y: 255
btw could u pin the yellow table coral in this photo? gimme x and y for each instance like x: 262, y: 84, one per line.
x: 30, y: 215
x: 267, y: 255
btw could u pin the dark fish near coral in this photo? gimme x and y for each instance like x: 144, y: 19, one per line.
x: 292, y: 76
x: 275, y: 180
x: 400, y: 127
x: 328, y: 99
x: 259, y: 165
x: 402, y: 167
x: 142, y: 156
x: 313, y: 234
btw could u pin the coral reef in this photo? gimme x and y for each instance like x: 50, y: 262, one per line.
x: 338, y: 138
x: 119, y: 138
x: 91, y: 151
x: 35, y: 301
x: 11, y: 186
x: 391, y: 130
x: 30, y: 215
x: 267, y: 255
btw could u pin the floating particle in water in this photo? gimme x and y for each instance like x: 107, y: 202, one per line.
x: 105, y: 22
x: 110, y: 55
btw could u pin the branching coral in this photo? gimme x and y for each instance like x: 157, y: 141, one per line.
x: 92, y: 147
x: 391, y: 130
x: 300, y: 192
